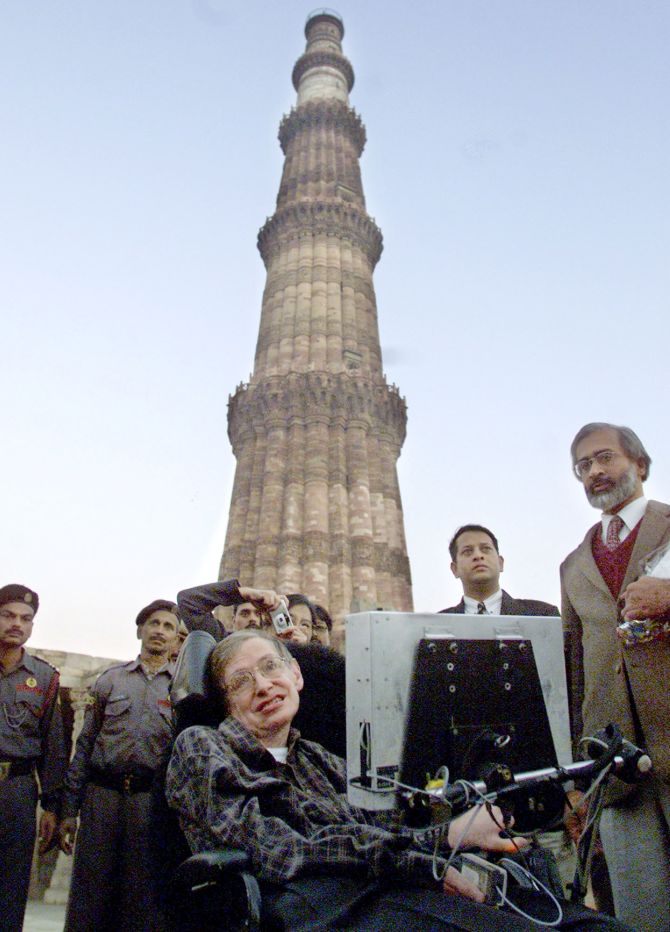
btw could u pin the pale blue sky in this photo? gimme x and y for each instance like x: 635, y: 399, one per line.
x: 517, y: 164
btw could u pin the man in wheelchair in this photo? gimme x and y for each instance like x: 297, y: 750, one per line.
x: 255, y: 785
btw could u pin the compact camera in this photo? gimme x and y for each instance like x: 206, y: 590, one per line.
x: 281, y: 620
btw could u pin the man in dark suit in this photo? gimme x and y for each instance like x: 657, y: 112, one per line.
x: 476, y: 561
x: 610, y: 680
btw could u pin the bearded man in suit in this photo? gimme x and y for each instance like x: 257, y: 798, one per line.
x: 476, y: 561
x: 610, y: 680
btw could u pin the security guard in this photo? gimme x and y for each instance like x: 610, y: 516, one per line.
x: 126, y: 733
x: 31, y: 739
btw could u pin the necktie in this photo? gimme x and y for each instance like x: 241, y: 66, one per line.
x: 481, y: 608
x: 613, y: 530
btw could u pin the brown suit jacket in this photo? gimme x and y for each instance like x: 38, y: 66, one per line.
x: 606, y: 682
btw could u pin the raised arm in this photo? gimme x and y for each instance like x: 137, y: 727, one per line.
x: 196, y: 605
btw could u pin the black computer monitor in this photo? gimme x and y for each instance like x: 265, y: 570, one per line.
x: 477, y: 708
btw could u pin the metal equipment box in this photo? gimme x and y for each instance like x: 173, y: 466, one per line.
x: 380, y: 652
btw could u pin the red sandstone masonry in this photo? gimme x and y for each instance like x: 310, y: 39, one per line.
x: 317, y: 431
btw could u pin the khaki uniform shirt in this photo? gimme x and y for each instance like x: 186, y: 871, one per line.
x: 127, y: 728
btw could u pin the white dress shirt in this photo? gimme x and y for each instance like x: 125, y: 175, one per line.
x: 493, y: 604
x: 631, y: 514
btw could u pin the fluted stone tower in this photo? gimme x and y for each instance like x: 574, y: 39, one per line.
x: 317, y: 431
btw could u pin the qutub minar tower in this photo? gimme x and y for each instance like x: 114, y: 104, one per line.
x: 317, y: 431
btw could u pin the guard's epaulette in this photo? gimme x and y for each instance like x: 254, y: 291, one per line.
x: 114, y: 666
x: 46, y: 663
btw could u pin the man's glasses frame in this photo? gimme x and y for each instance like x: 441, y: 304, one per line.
x: 243, y: 681
x: 603, y: 458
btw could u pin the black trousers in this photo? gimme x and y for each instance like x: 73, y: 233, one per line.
x: 113, y: 886
x: 18, y: 801
x: 319, y: 904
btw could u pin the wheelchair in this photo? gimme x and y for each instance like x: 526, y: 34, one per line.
x: 217, y: 890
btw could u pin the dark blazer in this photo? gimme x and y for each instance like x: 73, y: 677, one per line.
x: 607, y: 682
x: 512, y: 606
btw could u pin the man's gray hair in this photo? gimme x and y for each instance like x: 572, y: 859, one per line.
x: 629, y: 440
x: 228, y: 648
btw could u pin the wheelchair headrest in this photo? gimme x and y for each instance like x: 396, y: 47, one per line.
x: 191, y: 675
x: 194, y: 701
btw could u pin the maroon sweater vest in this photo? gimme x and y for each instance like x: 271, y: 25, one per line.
x: 613, y: 563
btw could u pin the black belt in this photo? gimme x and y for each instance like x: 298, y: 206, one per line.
x: 15, y: 768
x: 126, y: 783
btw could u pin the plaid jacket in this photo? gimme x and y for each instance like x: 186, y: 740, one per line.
x: 292, y: 819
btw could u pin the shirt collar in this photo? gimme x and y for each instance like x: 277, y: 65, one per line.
x: 136, y: 664
x: 26, y: 661
x: 631, y: 514
x: 241, y: 739
x: 493, y: 604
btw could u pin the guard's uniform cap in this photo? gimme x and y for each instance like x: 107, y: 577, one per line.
x: 158, y: 605
x: 15, y: 592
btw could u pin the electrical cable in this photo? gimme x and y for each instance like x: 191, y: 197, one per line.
x: 471, y: 792
x: 536, y: 884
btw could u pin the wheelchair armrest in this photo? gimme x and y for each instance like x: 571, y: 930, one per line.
x: 208, y: 866
x: 213, y: 878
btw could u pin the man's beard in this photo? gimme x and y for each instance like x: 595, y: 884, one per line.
x: 622, y: 489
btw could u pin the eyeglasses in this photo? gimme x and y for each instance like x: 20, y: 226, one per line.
x: 602, y: 458
x: 245, y: 680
